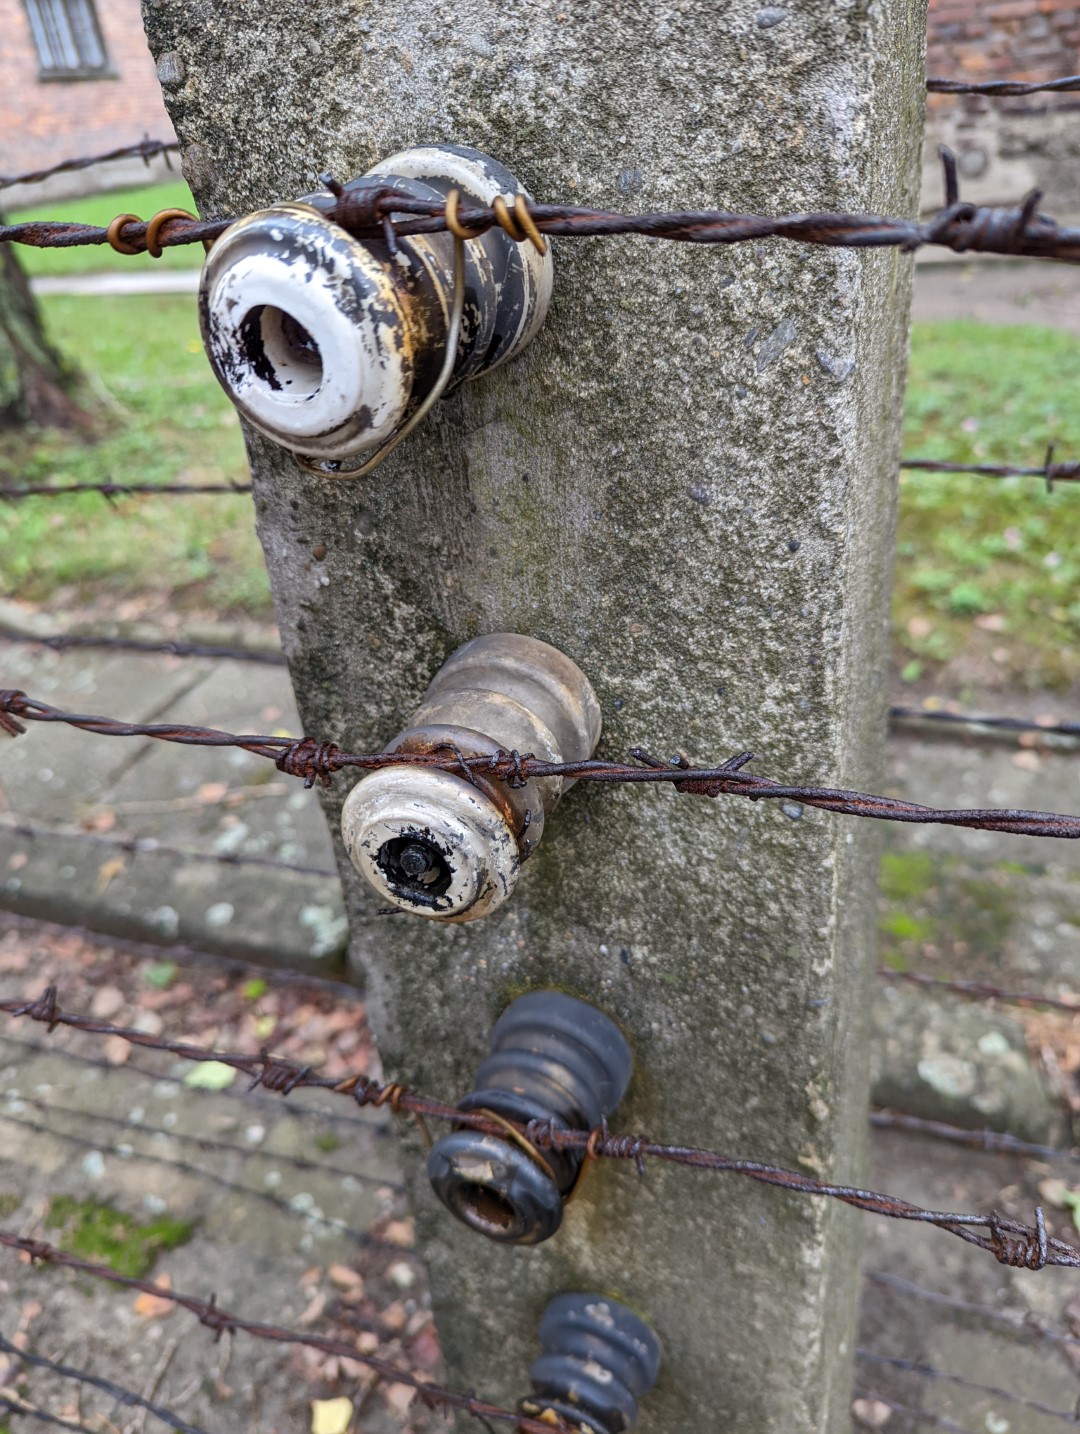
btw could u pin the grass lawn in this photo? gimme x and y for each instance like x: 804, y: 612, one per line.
x: 164, y: 418
x: 100, y: 209
x: 985, y: 566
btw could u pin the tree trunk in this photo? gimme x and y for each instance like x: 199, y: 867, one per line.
x: 35, y: 382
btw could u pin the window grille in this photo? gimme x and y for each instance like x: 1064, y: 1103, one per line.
x: 68, y: 37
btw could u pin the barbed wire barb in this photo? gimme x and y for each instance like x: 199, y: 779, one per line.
x: 962, y: 227
x: 314, y: 760
x: 220, y: 1321
x: 1010, y: 1241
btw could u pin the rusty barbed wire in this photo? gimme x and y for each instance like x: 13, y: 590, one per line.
x: 964, y: 228
x: 982, y: 990
x: 109, y: 491
x: 1011, y: 1242
x: 993, y: 1142
x: 146, y: 150
x: 928, y: 1371
x: 991, y: 723
x: 1049, y: 471
x: 221, y: 1321
x: 127, y: 1398
x: 167, y: 647
x: 150, y: 846
x: 317, y: 761
x: 248, y: 1097
x: 938, y: 85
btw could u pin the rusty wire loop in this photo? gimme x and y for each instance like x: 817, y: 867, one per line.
x: 1011, y: 1242
x: 220, y: 1321
x: 962, y: 227
x: 126, y: 1398
x: 317, y: 761
x: 146, y: 150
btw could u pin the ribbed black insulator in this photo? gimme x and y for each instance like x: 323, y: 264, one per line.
x: 553, y: 1058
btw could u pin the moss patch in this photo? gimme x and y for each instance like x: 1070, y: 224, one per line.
x: 9, y: 1203
x: 97, y: 1232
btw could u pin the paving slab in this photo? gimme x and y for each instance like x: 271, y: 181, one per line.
x: 280, y: 1198
x: 220, y: 803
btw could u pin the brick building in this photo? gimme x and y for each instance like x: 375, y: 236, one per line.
x: 76, y: 77
x: 1006, y: 146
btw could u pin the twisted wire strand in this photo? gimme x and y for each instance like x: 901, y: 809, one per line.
x: 314, y: 761
x: 1009, y: 1241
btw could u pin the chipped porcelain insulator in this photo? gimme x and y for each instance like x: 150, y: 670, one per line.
x: 441, y: 846
x: 598, y: 1360
x: 553, y: 1058
x: 327, y: 344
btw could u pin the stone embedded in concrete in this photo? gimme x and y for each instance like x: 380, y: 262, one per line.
x: 947, y: 1060
x: 556, y: 497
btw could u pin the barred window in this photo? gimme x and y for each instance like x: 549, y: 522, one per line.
x: 68, y: 37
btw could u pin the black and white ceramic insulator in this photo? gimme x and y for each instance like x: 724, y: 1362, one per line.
x: 598, y: 1360
x: 328, y: 343
x: 439, y: 844
x: 553, y: 1059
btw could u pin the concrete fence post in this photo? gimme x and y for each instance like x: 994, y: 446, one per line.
x: 687, y: 485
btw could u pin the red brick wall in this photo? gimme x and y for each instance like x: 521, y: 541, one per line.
x: 45, y: 121
x: 1002, y: 39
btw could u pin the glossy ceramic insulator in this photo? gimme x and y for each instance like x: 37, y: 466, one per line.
x: 437, y: 844
x: 328, y: 343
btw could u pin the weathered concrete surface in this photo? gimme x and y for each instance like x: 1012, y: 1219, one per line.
x: 688, y: 486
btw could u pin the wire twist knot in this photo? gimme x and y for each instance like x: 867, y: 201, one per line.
x: 44, y: 1009
x: 1029, y: 1251
x: 11, y: 701
x: 311, y: 759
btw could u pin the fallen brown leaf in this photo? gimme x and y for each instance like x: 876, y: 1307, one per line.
x: 149, y: 1306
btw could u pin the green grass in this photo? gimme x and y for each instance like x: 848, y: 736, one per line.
x: 100, y: 209
x: 1005, y: 552
x: 164, y: 418
x: 985, y: 567
x: 97, y: 1232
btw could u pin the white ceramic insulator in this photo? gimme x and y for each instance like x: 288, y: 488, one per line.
x: 289, y: 267
x: 446, y: 811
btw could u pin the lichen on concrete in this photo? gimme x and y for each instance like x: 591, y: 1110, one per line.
x: 562, y: 496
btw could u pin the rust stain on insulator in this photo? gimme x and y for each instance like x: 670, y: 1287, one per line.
x: 328, y: 343
x: 598, y: 1360
x: 449, y: 846
x: 553, y: 1059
